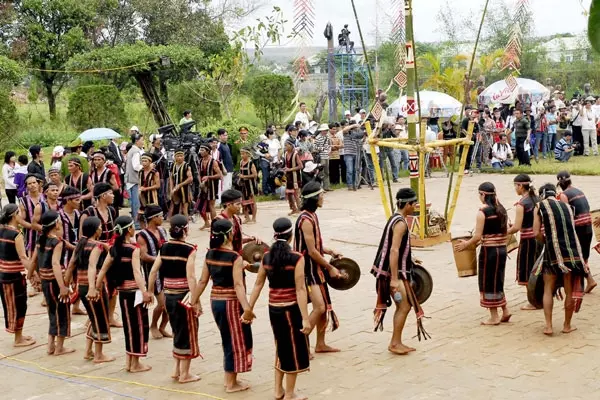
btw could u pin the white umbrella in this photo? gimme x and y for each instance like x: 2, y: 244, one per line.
x: 527, y: 91
x: 433, y: 104
x: 98, y: 134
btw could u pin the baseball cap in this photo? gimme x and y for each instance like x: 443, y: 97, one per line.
x: 155, y: 136
x: 347, y: 112
x: 58, y: 151
x: 134, y: 128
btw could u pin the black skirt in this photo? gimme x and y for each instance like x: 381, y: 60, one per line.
x: 292, y: 349
x: 492, y: 265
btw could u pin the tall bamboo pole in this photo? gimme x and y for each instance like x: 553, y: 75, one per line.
x: 461, y: 171
x: 462, y: 110
x: 362, y: 41
x: 412, y: 117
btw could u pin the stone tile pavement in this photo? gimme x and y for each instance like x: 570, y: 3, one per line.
x: 463, y: 360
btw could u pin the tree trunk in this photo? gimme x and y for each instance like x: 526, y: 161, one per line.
x: 152, y: 98
x: 164, y: 92
x: 51, y: 98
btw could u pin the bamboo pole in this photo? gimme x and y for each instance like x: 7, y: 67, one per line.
x: 462, y: 110
x: 373, y: 89
x: 412, y: 118
x: 422, y: 194
x: 370, y: 134
x: 434, y: 144
x: 461, y: 172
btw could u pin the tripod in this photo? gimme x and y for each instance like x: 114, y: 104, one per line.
x: 367, y: 178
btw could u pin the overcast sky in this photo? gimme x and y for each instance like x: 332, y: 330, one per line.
x: 550, y: 16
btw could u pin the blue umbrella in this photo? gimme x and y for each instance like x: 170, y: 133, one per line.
x: 98, y: 134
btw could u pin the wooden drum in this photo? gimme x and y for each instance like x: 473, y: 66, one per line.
x: 595, y: 214
x: 466, y: 260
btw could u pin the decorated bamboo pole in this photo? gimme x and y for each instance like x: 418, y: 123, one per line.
x: 371, y: 135
x: 462, y: 110
x: 362, y: 41
x: 461, y: 172
x: 422, y: 197
x: 412, y: 118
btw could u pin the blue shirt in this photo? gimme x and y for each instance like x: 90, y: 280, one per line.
x: 560, y: 147
x: 551, y: 118
x: 226, y: 156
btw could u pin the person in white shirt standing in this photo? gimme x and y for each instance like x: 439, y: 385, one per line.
x: 588, y: 127
x: 8, y: 176
x: 132, y: 168
x: 303, y: 116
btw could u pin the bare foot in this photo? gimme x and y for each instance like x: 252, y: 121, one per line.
x: 491, y: 322
x: 78, y: 311
x: 311, y: 356
x: 399, y: 349
x: 44, y: 303
x: 140, y: 368
x: 63, y: 351
x: 295, y: 396
x: 569, y: 329
x: 326, y: 349
x: 548, y: 331
x: 32, y: 294
x: 280, y: 396
x: 103, y: 359
x: 528, y: 307
x: 205, y: 227
x: 89, y: 355
x: 155, y: 333
x: 590, y: 287
x: 24, y: 342
x: 115, y: 324
x: 505, y: 318
x: 237, y: 387
x: 246, y: 221
x: 51, y: 349
x: 189, y: 378
x: 165, y: 333
x: 252, y: 221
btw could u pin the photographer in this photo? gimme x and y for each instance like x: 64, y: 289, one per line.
x: 576, y: 124
x: 501, y: 154
x: 312, y: 172
x: 564, y: 147
x: 352, y: 141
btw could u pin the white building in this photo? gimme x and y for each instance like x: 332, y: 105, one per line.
x: 567, y: 49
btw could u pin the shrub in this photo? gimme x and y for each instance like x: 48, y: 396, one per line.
x: 96, y: 106
x: 193, y: 96
x: 271, y: 95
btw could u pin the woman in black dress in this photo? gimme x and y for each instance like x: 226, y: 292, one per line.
x: 491, y: 229
x: 288, y: 310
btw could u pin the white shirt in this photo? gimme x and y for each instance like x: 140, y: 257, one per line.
x: 8, y: 175
x: 576, y: 114
x: 588, y: 119
x: 274, y: 147
x: 284, y: 137
x: 303, y: 117
x: 596, y: 108
x: 340, y: 136
x: 501, y: 153
x: 357, y: 118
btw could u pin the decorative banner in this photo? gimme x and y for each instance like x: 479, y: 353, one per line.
x: 512, y: 51
x: 401, y: 79
x: 413, y: 165
x: 410, y: 56
x: 511, y: 82
x: 398, y: 36
x: 377, y: 111
x: 303, y: 33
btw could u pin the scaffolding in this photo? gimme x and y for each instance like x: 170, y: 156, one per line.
x: 353, y: 80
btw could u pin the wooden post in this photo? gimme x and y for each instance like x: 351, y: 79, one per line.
x: 370, y: 135
x: 411, y: 114
x: 422, y: 195
x: 461, y: 172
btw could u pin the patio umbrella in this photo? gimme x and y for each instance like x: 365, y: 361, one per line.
x: 98, y: 134
x: 433, y: 104
x: 527, y: 91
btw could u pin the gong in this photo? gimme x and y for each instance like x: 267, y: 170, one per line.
x: 350, y: 274
x: 253, y: 253
x: 421, y: 282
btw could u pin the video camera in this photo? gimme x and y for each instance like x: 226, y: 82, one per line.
x: 186, y: 140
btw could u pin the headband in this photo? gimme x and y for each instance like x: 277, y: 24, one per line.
x: 548, y: 192
x: 73, y: 196
x: 308, y: 196
x: 149, y: 157
x: 484, y: 192
x: 103, y: 193
x: 277, y: 234
x: 75, y: 161
x: 12, y: 213
x: 408, y: 199
x: 99, y: 155
x: 148, y: 218
x: 246, y: 151
x: 51, y: 223
x: 53, y: 171
x: 180, y: 152
x: 222, y: 233
x: 205, y: 147
x: 175, y: 229
x: 120, y: 229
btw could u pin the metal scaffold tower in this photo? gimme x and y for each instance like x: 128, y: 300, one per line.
x: 353, y: 80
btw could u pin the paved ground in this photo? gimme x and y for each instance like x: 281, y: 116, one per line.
x: 462, y: 360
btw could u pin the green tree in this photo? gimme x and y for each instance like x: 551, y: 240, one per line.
x: 10, y: 71
x: 98, y: 106
x: 196, y: 97
x: 144, y: 63
x: 8, y: 118
x: 48, y: 33
x: 271, y: 94
x: 594, y: 25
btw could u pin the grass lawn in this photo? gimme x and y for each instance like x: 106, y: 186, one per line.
x: 579, y: 165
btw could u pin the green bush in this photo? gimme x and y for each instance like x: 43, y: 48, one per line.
x: 193, y: 96
x: 9, y: 119
x: 271, y: 95
x: 96, y: 106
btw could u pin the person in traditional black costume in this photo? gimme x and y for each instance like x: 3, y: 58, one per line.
x: 491, y: 228
x: 47, y: 256
x: 529, y: 248
x: 288, y: 310
x: 229, y: 304
x: 123, y: 266
x: 583, y: 220
x: 562, y: 265
x: 210, y: 177
x: 308, y: 241
x: 392, y: 269
x: 176, y: 266
x: 249, y: 185
x: 180, y: 183
x: 94, y: 301
x: 13, y: 284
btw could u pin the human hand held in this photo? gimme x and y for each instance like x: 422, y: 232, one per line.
x: 64, y: 294
x: 461, y: 245
x: 597, y: 222
x: 248, y: 316
x: 147, y: 297
x: 92, y: 294
x: 335, y: 273
x: 257, y: 240
x: 306, y: 327
x: 394, y: 285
